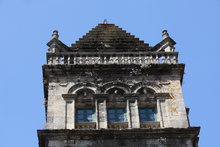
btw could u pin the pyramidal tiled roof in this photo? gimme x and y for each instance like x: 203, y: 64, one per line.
x: 106, y: 37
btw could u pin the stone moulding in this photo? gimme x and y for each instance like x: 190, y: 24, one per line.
x: 168, y: 133
x: 129, y: 96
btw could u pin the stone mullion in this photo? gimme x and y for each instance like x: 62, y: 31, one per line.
x: 132, y: 111
x: 101, y: 110
x: 102, y: 114
x: 96, y: 114
x: 135, y: 121
x: 128, y: 113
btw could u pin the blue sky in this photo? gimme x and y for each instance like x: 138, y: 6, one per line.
x: 26, y: 27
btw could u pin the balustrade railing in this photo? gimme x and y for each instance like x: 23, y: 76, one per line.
x: 120, y: 58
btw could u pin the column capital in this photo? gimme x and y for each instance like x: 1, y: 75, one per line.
x: 69, y: 97
x: 131, y: 96
x: 101, y: 96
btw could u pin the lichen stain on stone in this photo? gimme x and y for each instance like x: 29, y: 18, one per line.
x: 173, y: 109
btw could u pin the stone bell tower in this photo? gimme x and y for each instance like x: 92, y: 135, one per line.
x: 111, y: 89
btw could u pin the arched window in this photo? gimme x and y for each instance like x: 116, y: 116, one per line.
x: 84, y: 95
x: 116, y: 90
x: 144, y: 91
x: 147, y: 107
x: 116, y: 108
x: 115, y: 95
x: 85, y: 108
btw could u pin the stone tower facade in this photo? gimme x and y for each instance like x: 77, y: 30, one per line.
x: 112, y: 89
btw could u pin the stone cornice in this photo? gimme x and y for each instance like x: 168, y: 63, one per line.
x: 152, y: 69
x: 191, y: 132
x: 69, y: 97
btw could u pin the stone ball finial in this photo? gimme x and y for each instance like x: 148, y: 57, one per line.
x: 55, y: 34
x: 165, y: 34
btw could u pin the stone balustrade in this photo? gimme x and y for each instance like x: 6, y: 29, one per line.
x: 116, y: 58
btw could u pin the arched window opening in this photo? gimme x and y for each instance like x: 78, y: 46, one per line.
x: 146, y: 92
x: 116, y: 91
x: 85, y: 109
x: 116, y: 94
x: 84, y: 95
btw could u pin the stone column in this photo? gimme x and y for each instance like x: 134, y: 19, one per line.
x: 128, y: 112
x: 96, y: 114
x: 135, y: 121
x: 102, y: 114
x: 133, y: 114
x: 70, y: 114
x: 69, y: 111
x: 161, y: 109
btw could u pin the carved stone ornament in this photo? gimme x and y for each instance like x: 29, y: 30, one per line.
x: 63, y: 83
x: 163, y: 140
x: 164, y: 83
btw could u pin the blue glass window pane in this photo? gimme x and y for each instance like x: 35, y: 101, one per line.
x: 89, y: 111
x: 147, y: 114
x: 120, y: 111
x: 151, y: 117
x: 80, y: 111
x: 121, y: 120
x: 80, y: 120
x: 143, y: 115
x: 116, y: 115
x: 111, y: 111
x: 80, y: 116
x: 90, y: 117
x: 111, y: 120
x: 84, y: 115
x: 142, y: 110
x: 112, y: 116
x: 121, y: 117
x: 150, y: 110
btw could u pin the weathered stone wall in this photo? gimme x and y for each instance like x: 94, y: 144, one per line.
x: 120, y: 143
x: 170, y: 112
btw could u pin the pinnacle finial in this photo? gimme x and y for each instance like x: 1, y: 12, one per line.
x: 55, y: 34
x: 165, y: 34
x: 105, y: 21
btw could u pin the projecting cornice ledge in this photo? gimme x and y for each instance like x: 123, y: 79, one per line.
x: 191, y: 132
x: 163, y: 96
x: 131, y: 96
